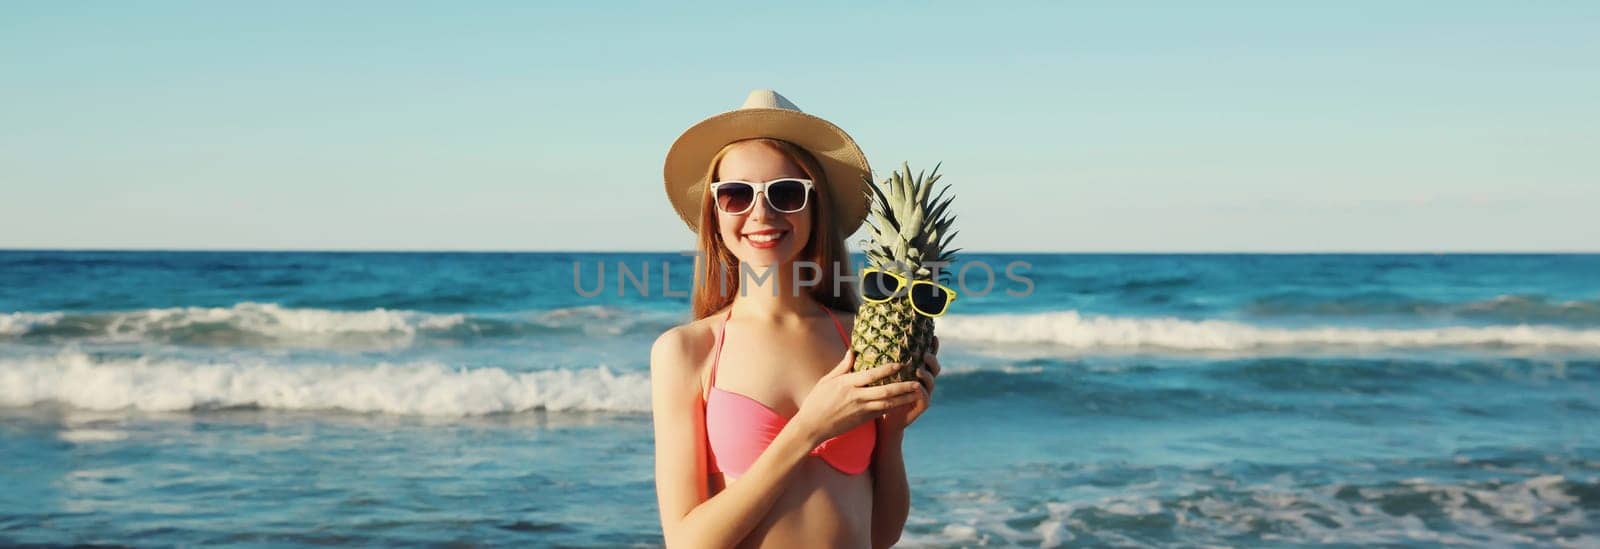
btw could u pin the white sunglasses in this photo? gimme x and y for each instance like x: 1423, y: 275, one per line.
x: 784, y: 195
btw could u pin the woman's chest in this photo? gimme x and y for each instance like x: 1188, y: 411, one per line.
x: 776, y: 369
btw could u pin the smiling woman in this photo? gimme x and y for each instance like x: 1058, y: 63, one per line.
x: 778, y: 229
x: 786, y: 448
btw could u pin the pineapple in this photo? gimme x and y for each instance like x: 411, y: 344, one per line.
x: 910, y: 227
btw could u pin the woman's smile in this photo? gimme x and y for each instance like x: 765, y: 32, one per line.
x: 765, y: 239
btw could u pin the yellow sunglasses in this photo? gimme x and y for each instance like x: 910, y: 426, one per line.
x: 928, y: 298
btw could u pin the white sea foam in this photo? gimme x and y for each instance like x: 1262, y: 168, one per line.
x: 1536, y: 510
x: 252, y: 323
x: 78, y: 380
x: 273, y: 320
x: 21, y: 323
x: 1070, y: 329
x: 600, y: 320
x: 81, y: 436
x: 261, y: 319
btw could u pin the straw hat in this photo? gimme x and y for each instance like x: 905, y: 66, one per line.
x: 767, y: 114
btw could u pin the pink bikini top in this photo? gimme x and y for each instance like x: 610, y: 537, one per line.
x: 739, y: 428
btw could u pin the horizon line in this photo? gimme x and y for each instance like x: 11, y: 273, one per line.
x: 853, y: 251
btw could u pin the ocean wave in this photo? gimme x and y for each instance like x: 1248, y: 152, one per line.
x: 14, y: 324
x: 1527, y: 505
x: 1533, y: 510
x: 1357, y: 390
x: 267, y: 324
x: 427, y: 389
x: 1533, y: 309
x: 1070, y: 329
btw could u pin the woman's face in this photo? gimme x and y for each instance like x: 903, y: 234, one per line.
x: 749, y: 235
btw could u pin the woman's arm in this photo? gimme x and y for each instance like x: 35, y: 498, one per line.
x: 688, y: 517
x: 891, y: 494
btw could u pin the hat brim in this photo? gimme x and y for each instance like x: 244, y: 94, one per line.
x: 845, y: 167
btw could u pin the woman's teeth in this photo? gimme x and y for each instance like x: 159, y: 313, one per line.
x: 764, y: 237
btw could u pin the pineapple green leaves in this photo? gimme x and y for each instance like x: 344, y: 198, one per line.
x: 909, y: 225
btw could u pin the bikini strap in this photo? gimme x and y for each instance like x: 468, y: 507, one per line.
x: 716, y: 355
x: 836, y: 324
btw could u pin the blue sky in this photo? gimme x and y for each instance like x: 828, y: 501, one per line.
x: 1262, y: 126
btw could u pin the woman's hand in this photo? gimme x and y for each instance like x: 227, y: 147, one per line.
x: 902, y: 417
x: 840, y: 401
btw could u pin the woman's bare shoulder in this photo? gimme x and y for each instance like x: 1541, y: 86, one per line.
x: 680, y: 350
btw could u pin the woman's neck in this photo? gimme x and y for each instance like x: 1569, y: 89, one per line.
x: 772, y: 293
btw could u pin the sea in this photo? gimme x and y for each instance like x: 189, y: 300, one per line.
x: 158, y: 399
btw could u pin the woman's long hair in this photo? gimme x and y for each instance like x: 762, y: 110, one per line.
x: 717, y: 270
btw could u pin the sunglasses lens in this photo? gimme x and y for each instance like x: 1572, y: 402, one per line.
x: 787, y: 196
x: 929, y: 298
x: 877, y: 286
x: 734, y: 197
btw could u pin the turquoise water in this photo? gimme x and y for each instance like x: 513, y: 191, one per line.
x: 156, y: 399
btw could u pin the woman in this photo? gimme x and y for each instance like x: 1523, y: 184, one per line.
x: 764, y: 437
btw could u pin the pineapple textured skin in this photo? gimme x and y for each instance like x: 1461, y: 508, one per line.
x: 891, y: 333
